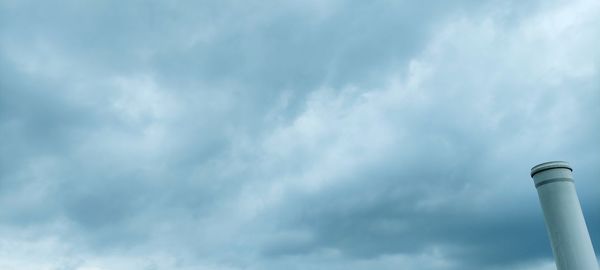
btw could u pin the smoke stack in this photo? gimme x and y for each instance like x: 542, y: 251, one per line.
x: 569, y: 237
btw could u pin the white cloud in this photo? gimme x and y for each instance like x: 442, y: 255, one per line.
x: 296, y: 136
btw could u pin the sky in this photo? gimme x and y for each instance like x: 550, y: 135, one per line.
x: 258, y: 135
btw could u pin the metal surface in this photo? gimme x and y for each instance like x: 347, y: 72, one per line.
x: 566, y: 227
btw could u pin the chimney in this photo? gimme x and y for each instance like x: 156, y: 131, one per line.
x: 569, y: 237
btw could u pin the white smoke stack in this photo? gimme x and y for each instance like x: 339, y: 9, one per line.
x: 566, y: 227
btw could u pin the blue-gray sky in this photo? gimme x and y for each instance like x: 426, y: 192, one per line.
x: 291, y: 134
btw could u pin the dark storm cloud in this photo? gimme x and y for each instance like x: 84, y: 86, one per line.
x: 387, y: 215
x: 299, y: 135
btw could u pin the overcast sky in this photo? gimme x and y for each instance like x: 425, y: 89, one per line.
x: 314, y: 134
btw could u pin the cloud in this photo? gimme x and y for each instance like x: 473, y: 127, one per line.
x: 308, y: 135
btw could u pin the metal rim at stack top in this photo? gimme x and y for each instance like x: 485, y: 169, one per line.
x: 550, y: 165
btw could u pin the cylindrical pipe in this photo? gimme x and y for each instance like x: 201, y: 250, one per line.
x: 566, y: 227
